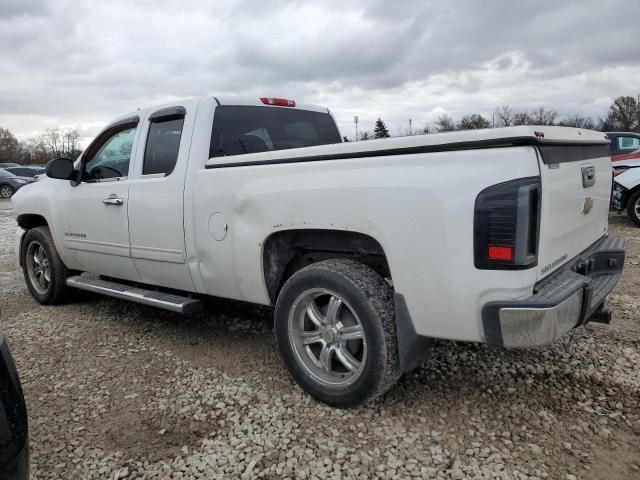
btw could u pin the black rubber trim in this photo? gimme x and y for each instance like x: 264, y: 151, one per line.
x: 413, y: 349
x: 217, y: 101
x: 125, y: 121
x: 598, y: 263
x: 554, y: 154
x: 446, y: 147
x: 169, y: 113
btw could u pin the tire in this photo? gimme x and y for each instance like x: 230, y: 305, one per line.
x: 6, y: 191
x: 633, y: 207
x: 344, y: 359
x: 39, y: 258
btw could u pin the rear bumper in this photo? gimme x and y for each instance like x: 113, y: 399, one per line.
x: 566, y: 299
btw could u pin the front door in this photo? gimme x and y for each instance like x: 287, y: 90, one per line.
x: 95, y: 222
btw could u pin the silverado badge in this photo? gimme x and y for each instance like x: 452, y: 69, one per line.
x: 587, y: 205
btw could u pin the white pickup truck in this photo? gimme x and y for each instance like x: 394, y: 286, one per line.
x: 367, y: 250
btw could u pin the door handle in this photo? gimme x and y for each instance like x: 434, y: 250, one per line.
x: 113, y: 200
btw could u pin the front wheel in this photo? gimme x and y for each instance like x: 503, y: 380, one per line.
x: 335, y: 330
x: 44, y: 272
x: 633, y: 208
x: 6, y: 191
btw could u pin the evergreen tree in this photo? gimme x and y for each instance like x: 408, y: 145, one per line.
x: 380, y: 130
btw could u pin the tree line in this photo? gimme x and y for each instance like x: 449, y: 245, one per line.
x: 623, y: 115
x: 50, y: 143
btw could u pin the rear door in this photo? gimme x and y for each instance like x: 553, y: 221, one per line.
x: 576, y: 190
x: 156, y: 216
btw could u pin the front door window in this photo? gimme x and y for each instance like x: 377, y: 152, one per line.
x: 112, y: 159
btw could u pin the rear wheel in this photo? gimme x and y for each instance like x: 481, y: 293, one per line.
x: 633, y: 208
x: 44, y: 272
x: 6, y: 191
x: 335, y: 330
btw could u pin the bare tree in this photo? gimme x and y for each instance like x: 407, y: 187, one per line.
x: 365, y: 136
x: 445, y: 123
x: 607, y: 124
x: 625, y: 112
x: 542, y: 116
x: 473, y: 122
x: 70, y: 140
x: 8, y: 146
x: 521, y: 118
x: 505, y: 116
x: 578, y: 121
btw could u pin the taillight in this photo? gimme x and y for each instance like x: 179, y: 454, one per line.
x: 278, y: 102
x: 506, y: 225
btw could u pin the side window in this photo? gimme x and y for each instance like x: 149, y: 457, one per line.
x: 112, y: 158
x: 163, y: 144
x: 627, y: 144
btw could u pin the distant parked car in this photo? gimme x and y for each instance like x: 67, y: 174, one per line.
x: 7, y: 165
x: 26, y: 171
x: 14, y: 438
x: 625, y: 159
x: 624, y: 146
x: 10, y: 183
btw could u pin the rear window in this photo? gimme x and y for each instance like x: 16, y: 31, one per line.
x: 244, y: 129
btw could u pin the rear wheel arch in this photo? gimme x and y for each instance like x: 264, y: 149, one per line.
x: 287, y: 251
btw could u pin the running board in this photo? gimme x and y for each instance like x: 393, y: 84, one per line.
x: 168, y: 301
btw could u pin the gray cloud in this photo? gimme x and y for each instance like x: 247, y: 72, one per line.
x: 82, y: 63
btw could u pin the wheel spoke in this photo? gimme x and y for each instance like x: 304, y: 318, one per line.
x: 348, y: 360
x: 37, y: 260
x: 315, y: 315
x: 351, y: 333
x: 325, y: 358
x: 311, y: 337
x: 333, y: 309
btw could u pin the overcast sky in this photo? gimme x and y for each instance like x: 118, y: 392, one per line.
x: 79, y: 64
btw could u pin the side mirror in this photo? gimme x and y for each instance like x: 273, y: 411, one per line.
x: 60, y: 168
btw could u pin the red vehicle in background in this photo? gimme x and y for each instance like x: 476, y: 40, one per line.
x: 624, y: 146
x: 625, y: 159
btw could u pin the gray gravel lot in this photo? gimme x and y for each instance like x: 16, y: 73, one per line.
x: 117, y: 390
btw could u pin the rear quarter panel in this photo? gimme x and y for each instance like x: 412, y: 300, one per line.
x: 418, y: 207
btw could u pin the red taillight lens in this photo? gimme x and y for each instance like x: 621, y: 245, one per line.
x: 500, y: 253
x: 278, y: 102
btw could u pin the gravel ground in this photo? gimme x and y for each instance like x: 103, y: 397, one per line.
x: 117, y: 390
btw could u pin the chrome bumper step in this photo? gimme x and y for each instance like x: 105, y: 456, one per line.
x: 154, y: 298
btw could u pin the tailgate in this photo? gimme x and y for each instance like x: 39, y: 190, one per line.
x: 576, y: 190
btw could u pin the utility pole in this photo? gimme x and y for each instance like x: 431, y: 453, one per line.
x: 410, y: 129
x: 355, y: 120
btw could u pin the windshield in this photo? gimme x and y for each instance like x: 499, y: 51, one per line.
x: 4, y: 173
x: 248, y: 129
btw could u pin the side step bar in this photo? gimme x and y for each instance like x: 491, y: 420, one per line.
x: 168, y: 301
